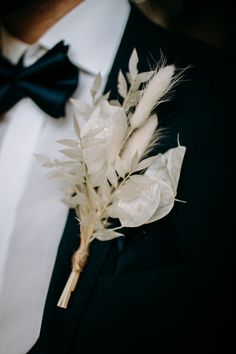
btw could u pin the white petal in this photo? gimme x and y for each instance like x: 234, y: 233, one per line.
x: 174, y: 163
x: 158, y: 169
x: 136, y: 202
x: 106, y: 235
x: 166, y: 202
x: 102, y: 135
x: 167, y: 166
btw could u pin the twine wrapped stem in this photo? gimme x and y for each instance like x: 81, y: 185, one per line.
x: 79, y: 260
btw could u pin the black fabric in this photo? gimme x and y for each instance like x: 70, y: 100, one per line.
x: 169, y: 289
x: 49, y: 82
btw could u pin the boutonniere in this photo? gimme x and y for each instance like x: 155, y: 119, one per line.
x: 109, y: 170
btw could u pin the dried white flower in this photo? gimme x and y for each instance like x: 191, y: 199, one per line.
x: 106, y: 171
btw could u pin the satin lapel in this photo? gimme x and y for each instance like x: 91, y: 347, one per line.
x: 59, y: 325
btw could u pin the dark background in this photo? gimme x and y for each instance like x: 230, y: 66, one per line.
x: 210, y: 21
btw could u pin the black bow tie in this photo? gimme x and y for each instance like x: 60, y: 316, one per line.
x: 49, y: 82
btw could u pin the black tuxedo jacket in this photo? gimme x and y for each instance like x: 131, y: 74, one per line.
x: 167, y: 287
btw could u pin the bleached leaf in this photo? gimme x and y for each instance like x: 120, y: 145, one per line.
x: 119, y: 167
x: 83, y: 107
x: 106, y: 234
x: 78, y: 169
x: 133, y: 62
x: 75, y: 201
x: 97, y: 178
x: 95, y: 159
x: 133, y: 99
x: 92, y: 133
x: 44, y: 160
x: 109, y: 124
x: 166, y: 167
x: 139, y: 179
x: 71, y: 153
x: 129, y: 78
x: 134, y: 161
x: 80, y: 198
x: 137, y: 211
x: 94, y: 196
x: 70, y: 203
x: 75, y: 179
x: 76, y: 126
x: 115, y: 103
x: 166, y: 202
x: 142, y: 165
x: 129, y: 191
x: 53, y: 174
x: 104, y: 191
x: 135, y: 84
x: 122, y: 85
x: 68, y: 190
x: 175, y: 158
x: 102, y: 98
x: 68, y: 142
x: 145, y: 76
x: 96, y: 85
x: 64, y: 164
x: 112, y: 176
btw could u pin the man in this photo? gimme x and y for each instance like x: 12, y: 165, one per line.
x: 167, y: 286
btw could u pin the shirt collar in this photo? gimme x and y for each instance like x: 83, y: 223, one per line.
x: 93, y: 30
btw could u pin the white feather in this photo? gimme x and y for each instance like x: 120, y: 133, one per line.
x: 155, y: 90
x: 139, y: 142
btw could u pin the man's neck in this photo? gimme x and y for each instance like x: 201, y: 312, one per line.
x: 29, y: 28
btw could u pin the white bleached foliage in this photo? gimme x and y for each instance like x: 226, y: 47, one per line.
x: 106, y: 171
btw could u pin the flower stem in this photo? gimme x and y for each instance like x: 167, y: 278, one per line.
x: 79, y: 261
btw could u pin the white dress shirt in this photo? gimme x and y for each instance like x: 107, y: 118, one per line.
x: 32, y: 217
